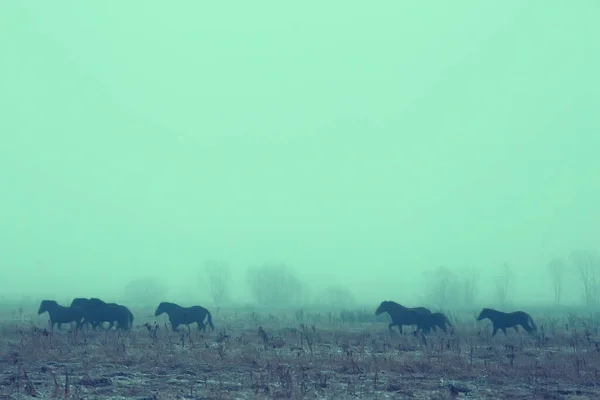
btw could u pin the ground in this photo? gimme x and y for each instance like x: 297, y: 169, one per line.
x: 326, y: 355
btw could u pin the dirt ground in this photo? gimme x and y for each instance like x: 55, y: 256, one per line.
x: 254, y: 356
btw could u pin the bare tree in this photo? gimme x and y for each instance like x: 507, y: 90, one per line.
x: 274, y: 285
x: 336, y: 296
x: 503, y: 283
x: 587, y: 264
x: 145, y: 291
x: 218, y: 274
x: 469, y: 284
x: 556, y: 269
x: 443, y: 285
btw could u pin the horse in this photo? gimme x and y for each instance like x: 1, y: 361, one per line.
x: 185, y: 315
x: 88, y: 305
x: 61, y: 314
x: 97, y: 312
x: 437, y: 320
x: 92, y: 307
x: 502, y: 320
x: 119, y: 314
x: 403, y: 315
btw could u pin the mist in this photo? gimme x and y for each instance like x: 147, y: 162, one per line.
x: 360, y: 146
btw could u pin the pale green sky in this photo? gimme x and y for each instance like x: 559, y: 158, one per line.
x: 355, y: 141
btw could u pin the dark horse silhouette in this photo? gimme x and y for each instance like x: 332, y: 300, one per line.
x: 97, y: 312
x: 437, y: 320
x: 118, y: 314
x: 89, y: 306
x: 61, y: 314
x: 184, y: 315
x: 404, y: 316
x: 502, y: 320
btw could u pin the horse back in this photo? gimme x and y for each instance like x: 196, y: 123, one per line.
x: 521, y: 316
x: 407, y: 315
x: 195, y: 313
x: 421, y: 310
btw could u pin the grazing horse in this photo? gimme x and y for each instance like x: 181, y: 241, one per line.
x: 403, y: 315
x: 437, y: 320
x: 184, y: 315
x: 61, y: 314
x: 502, y: 320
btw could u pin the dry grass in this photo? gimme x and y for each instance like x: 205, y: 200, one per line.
x: 298, y: 355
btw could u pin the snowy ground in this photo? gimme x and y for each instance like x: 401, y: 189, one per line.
x: 251, y: 356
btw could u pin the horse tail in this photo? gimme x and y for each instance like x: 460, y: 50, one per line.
x: 532, y: 323
x: 209, y: 318
x: 448, y: 322
x: 130, y: 319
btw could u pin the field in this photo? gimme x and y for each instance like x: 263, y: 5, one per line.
x: 300, y: 354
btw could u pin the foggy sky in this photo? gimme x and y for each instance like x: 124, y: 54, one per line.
x: 359, y: 143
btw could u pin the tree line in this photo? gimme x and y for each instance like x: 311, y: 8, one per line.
x: 276, y: 284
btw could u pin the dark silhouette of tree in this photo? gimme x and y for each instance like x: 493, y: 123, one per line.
x: 336, y: 296
x: 146, y: 291
x: 469, y: 280
x: 587, y: 265
x: 274, y: 285
x: 503, y: 283
x: 443, y: 286
x: 218, y: 275
x: 556, y: 269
